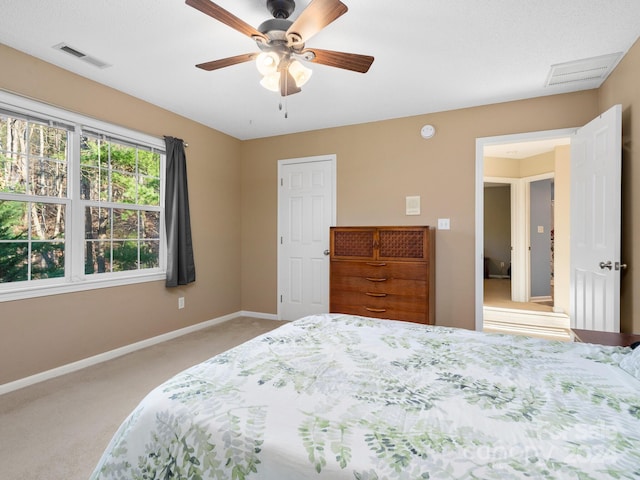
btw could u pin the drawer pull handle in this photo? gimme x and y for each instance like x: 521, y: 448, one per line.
x: 377, y: 264
x: 371, y: 279
x: 376, y: 310
x: 371, y: 294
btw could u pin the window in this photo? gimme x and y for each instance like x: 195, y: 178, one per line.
x: 120, y: 189
x: 33, y: 209
x: 80, y: 202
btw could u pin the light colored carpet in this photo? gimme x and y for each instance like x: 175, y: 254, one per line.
x: 497, y: 293
x: 57, y: 430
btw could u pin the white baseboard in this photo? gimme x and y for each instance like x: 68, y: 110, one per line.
x: 264, y: 316
x: 118, y: 352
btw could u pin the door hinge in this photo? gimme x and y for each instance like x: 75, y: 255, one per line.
x: 281, y: 240
x: 282, y: 182
x: 280, y: 298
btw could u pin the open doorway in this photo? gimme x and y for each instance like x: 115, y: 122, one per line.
x: 519, y: 234
x: 587, y: 263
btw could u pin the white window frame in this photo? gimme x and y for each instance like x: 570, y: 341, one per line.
x: 75, y: 280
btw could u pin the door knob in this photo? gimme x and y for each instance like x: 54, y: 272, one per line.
x: 620, y: 266
x: 606, y: 265
x: 326, y: 252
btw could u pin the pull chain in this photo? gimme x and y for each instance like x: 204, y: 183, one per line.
x: 286, y: 110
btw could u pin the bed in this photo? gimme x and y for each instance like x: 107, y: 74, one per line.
x: 345, y: 397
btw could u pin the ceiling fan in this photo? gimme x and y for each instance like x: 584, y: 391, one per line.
x: 282, y: 42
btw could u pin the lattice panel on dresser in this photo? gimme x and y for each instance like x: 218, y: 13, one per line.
x: 353, y: 244
x: 401, y: 244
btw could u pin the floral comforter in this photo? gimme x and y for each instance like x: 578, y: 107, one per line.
x: 344, y: 397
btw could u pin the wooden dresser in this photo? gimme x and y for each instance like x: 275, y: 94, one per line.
x: 383, y: 272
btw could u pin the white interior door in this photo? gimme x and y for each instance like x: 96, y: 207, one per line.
x: 306, y: 210
x: 595, y: 223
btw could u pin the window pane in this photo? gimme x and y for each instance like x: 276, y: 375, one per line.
x: 123, y: 158
x: 14, y: 265
x: 125, y: 223
x: 13, y: 135
x: 47, y: 177
x: 150, y: 254
x: 150, y: 224
x: 47, y: 221
x: 149, y: 191
x: 97, y: 255
x: 13, y: 220
x: 94, y: 152
x: 47, y: 142
x: 33, y: 158
x: 13, y: 177
x: 123, y: 187
x: 149, y: 163
x: 47, y: 260
x: 97, y: 223
x: 94, y: 184
x: 125, y: 256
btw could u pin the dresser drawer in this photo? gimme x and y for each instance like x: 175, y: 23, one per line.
x: 398, y: 286
x: 377, y: 301
x: 407, y: 270
x: 390, y: 312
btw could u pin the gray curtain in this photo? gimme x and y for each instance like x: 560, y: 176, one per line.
x: 181, y: 268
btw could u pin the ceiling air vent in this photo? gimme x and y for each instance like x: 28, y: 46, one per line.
x: 63, y: 47
x: 595, y: 70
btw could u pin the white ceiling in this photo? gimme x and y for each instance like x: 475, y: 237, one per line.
x: 430, y: 55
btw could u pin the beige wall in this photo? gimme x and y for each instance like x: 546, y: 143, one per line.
x: 623, y: 87
x: 378, y: 165
x: 47, y: 332
x: 234, y: 206
x: 519, y: 168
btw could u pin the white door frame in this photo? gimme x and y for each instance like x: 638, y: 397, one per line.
x: 479, y: 244
x: 332, y: 158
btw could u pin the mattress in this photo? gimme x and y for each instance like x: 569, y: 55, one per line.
x: 346, y: 397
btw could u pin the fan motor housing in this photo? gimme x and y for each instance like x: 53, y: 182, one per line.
x: 275, y: 29
x: 281, y: 8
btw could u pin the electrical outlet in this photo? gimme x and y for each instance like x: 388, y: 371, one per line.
x: 501, y: 264
x: 180, y: 302
x: 444, y: 224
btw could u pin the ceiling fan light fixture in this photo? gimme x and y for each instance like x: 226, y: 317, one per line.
x: 271, y: 82
x: 267, y: 63
x: 300, y: 73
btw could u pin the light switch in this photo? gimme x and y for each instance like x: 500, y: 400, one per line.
x: 540, y: 229
x: 444, y: 224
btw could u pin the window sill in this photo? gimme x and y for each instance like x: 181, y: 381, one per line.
x: 70, y: 287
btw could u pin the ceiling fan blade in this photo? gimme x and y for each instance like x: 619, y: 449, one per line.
x: 227, y: 62
x: 317, y: 15
x: 348, y: 61
x: 217, y: 12
x: 287, y: 84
